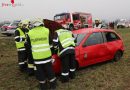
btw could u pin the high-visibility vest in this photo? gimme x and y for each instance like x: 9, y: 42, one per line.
x: 22, y: 35
x: 65, y: 38
x: 39, y: 38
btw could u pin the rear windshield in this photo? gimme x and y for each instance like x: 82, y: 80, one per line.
x: 79, y: 38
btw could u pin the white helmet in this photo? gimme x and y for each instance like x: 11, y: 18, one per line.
x: 38, y: 22
x: 97, y: 19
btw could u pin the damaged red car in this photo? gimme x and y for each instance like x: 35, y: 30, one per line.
x: 94, y: 46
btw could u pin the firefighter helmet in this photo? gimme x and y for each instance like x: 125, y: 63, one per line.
x: 97, y: 20
x: 38, y: 22
x: 24, y: 23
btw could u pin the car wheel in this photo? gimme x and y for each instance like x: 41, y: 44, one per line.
x: 117, y: 56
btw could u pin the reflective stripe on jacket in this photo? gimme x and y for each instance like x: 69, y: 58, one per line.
x: 21, y: 43
x: 65, y: 38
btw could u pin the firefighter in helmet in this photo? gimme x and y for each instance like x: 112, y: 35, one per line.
x: 39, y: 42
x: 30, y: 62
x: 98, y: 23
x: 20, y: 41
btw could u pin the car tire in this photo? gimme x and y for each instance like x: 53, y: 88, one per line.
x: 117, y: 56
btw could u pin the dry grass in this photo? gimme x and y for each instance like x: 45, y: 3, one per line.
x: 106, y: 76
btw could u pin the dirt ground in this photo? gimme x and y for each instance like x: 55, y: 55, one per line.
x: 106, y: 76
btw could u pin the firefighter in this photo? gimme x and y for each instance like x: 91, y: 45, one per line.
x: 30, y: 62
x: 98, y: 23
x: 20, y: 40
x: 63, y: 39
x: 39, y: 41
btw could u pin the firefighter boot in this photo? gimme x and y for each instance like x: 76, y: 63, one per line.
x: 72, y: 75
x: 23, y: 67
x: 30, y: 71
x: 43, y: 86
x: 53, y: 85
x: 64, y: 79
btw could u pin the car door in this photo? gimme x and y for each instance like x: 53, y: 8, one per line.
x: 93, y: 49
x: 113, y: 43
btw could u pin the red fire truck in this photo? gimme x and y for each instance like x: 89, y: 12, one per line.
x: 74, y: 20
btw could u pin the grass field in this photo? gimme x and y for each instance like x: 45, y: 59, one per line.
x: 106, y: 76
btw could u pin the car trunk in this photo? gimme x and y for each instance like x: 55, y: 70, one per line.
x: 52, y: 26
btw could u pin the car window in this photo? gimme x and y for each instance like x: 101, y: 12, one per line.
x: 79, y: 38
x: 75, y: 16
x: 14, y: 24
x: 93, y: 39
x: 110, y: 36
x: 6, y: 24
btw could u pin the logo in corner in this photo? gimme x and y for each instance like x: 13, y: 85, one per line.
x: 12, y: 3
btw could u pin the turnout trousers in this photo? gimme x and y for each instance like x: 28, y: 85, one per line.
x: 68, y: 67
x: 44, y: 71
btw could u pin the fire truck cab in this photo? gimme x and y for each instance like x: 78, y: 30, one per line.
x: 74, y: 20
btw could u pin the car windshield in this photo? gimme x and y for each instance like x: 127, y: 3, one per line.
x: 75, y: 16
x: 79, y: 38
x: 59, y: 17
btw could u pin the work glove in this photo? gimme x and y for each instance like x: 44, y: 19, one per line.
x: 52, y: 60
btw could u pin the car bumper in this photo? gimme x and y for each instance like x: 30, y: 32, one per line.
x: 7, y: 32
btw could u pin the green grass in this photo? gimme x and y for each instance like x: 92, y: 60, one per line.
x: 106, y: 76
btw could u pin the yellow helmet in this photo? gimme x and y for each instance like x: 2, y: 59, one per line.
x: 26, y: 22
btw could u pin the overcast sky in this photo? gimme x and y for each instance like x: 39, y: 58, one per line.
x: 104, y: 9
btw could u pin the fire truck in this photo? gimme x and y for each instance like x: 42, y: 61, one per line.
x: 74, y: 20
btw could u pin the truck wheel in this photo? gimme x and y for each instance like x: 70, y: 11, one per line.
x: 117, y: 56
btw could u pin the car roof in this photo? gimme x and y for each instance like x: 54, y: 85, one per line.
x: 91, y: 30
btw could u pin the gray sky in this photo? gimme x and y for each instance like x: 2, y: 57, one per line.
x: 104, y: 9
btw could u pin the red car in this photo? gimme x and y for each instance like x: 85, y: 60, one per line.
x: 9, y: 29
x: 94, y: 46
